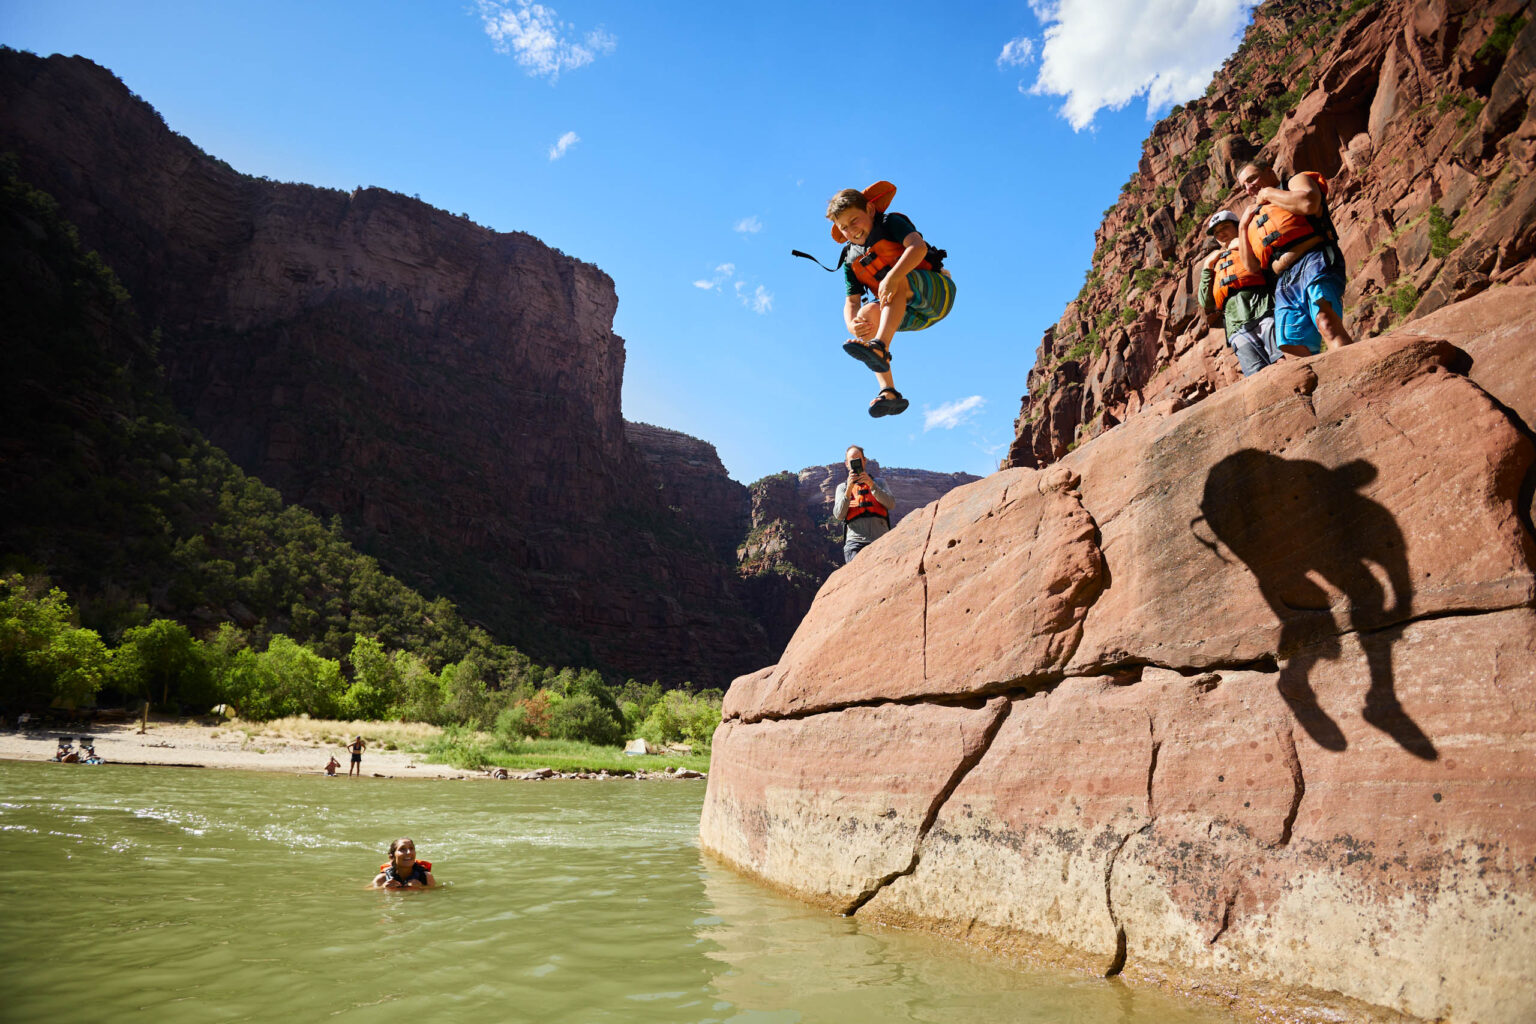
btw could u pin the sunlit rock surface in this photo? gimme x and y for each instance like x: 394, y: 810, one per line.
x: 1260, y: 697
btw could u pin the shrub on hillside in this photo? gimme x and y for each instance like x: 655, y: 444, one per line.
x: 583, y: 717
x: 681, y: 716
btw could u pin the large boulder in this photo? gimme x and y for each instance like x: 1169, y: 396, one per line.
x: 1241, y: 696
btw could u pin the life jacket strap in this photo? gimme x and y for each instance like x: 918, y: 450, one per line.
x: 823, y: 266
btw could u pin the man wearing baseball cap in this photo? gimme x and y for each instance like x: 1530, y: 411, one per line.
x: 1233, y: 286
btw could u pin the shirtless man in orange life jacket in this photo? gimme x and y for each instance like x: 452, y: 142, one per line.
x: 862, y: 504
x: 1288, y: 232
x: 886, y: 257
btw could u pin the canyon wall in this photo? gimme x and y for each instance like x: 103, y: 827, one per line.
x: 450, y: 392
x: 1417, y: 111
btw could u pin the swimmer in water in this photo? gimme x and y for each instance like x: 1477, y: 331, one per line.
x: 404, y: 871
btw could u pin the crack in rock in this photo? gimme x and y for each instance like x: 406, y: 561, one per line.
x: 1298, y: 787
x: 1118, y: 963
x: 922, y: 570
x: 1226, y: 916
x: 937, y: 804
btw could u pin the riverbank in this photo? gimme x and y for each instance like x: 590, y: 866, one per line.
x: 288, y: 746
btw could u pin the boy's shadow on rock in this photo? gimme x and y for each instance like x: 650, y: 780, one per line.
x: 1286, y: 518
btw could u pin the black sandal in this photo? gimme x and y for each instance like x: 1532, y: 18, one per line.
x: 893, y: 406
x: 872, y: 354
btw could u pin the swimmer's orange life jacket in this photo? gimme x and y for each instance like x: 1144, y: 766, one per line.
x: 1277, y: 229
x: 861, y: 502
x: 426, y: 865
x: 871, y: 263
x: 1229, y: 278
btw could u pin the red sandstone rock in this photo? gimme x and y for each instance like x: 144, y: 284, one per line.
x: 1323, y: 481
x: 1327, y: 783
x: 833, y: 809
x: 1406, y: 108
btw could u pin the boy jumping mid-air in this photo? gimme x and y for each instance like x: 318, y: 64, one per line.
x: 886, y: 257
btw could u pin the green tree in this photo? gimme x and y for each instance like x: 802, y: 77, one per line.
x: 44, y: 656
x: 421, y: 691
x: 375, y: 681
x: 468, y: 698
x: 285, y: 679
x: 636, y: 699
x: 163, y: 661
x: 78, y: 663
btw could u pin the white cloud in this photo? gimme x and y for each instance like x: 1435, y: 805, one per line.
x: 952, y: 414
x: 1103, y: 53
x: 759, y: 300
x: 755, y: 297
x: 538, y: 40
x: 564, y: 143
x: 1016, y: 52
x: 749, y: 225
x: 723, y: 273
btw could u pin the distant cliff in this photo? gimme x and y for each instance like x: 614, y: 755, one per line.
x: 794, y: 544
x: 1419, y: 115
x: 450, y: 392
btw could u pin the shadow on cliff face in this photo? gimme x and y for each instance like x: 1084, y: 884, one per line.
x: 1293, y: 521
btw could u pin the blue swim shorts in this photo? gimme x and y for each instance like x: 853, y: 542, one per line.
x: 933, y: 296
x: 1317, y: 277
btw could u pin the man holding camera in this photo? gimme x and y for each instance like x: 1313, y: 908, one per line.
x: 862, y: 503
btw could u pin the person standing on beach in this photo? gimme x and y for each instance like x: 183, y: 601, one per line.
x: 357, y: 746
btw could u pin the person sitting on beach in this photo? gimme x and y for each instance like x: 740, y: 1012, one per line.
x: 404, y: 871
x: 357, y: 746
x: 332, y: 765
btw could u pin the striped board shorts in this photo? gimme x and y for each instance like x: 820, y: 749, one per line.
x: 933, y: 296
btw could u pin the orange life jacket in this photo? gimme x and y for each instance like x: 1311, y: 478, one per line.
x: 1230, y: 278
x: 1276, y: 229
x: 862, y: 503
x: 871, y: 263
x: 426, y: 865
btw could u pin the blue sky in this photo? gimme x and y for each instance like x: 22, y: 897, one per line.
x: 686, y: 149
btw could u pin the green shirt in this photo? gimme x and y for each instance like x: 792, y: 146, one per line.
x: 1243, y: 306
x: 893, y: 226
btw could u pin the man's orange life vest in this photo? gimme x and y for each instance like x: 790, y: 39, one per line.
x: 1230, y: 278
x: 861, y: 502
x: 1276, y: 229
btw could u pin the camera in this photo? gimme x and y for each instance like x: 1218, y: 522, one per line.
x: 856, y: 466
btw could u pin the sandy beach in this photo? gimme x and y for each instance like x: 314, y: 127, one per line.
x: 227, y: 746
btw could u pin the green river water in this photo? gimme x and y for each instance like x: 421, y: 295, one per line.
x: 183, y: 895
